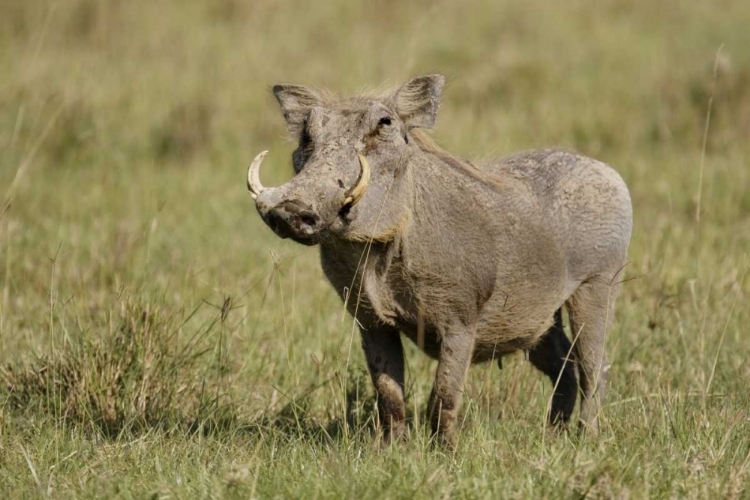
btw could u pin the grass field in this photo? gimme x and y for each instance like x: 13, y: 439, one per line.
x: 158, y: 341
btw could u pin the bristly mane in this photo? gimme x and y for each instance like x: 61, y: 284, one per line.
x: 429, y: 146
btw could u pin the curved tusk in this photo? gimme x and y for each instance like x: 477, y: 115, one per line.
x: 358, y: 190
x: 253, y: 177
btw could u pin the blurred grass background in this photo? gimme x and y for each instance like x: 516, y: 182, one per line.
x: 158, y: 340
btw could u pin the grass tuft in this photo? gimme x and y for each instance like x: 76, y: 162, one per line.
x: 136, y: 375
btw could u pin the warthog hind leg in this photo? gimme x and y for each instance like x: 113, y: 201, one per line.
x: 591, y: 308
x: 552, y: 356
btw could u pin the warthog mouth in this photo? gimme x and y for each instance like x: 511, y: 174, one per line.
x: 308, y: 242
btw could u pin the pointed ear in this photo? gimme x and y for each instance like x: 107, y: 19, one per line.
x: 295, y: 101
x: 418, y: 100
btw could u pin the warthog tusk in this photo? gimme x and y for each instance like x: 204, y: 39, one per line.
x: 253, y: 177
x: 356, y: 192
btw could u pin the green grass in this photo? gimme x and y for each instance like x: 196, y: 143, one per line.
x: 157, y: 340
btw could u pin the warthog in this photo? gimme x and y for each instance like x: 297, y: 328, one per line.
x: 469, y: 261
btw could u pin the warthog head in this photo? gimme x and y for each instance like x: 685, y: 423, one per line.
x: 350, y: 163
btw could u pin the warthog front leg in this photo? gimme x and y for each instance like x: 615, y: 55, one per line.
x: 385, y: 360
x: 455, y: 356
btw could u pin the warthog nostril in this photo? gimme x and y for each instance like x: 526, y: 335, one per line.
x: 308, y: 218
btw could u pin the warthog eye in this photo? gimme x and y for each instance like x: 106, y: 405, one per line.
x: 385, y: 121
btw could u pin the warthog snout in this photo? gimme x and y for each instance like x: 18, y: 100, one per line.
x: 292, y: 219
x: 284, y: 211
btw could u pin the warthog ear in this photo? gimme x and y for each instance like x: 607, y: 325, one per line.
x: 418, y: 100
x: 295, y: 101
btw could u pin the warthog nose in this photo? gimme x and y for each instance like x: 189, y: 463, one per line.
x: 293, y: 219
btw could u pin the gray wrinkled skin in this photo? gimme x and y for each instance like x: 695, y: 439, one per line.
x: 470, y: 262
